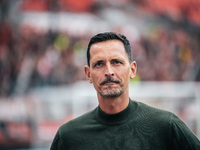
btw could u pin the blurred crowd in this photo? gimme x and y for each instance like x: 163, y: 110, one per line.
x: 165, y: 44
x: 29, y: 58
x: 168, y: 55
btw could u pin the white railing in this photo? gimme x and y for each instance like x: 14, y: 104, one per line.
x: 59, y: 104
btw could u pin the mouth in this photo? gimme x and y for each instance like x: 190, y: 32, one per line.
x: 109, y: 81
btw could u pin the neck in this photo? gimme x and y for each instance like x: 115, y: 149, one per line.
x: 114, y: 105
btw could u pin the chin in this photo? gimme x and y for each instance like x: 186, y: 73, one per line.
x: 111, y: 93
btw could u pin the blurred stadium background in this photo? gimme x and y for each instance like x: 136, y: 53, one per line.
x: 42, y: 54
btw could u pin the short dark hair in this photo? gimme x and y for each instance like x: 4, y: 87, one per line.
x: 109, y: 36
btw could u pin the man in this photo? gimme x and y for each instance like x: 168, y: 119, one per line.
x: 119, y: 123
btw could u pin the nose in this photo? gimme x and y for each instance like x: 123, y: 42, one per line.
x: 109, y: 71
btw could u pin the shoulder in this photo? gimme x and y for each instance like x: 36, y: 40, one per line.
x: 70, y: 131
x: 147, y: 108
x: 151, y: 113
x: 74, y: 124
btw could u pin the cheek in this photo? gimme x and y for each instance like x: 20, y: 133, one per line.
x: 124, y: 75
x: 95, y: 77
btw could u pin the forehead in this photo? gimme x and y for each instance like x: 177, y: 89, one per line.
x: 110, y: 47
x: 109, y: 43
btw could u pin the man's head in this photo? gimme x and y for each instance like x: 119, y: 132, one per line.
x: 110, y: 66
x: 109, y: 36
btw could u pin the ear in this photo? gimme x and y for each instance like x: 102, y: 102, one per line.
x: 87, y: 73
x: 133, y: 69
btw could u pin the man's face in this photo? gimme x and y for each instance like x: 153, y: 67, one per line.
x: 109, y: 69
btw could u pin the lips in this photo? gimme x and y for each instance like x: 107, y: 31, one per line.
x: 109, y: 83
x: 109, y: 80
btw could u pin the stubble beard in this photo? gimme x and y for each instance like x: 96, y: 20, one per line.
x: 112, y: 93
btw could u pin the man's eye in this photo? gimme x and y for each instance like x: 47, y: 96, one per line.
x: 98, y: 64
x: 116, y: 62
